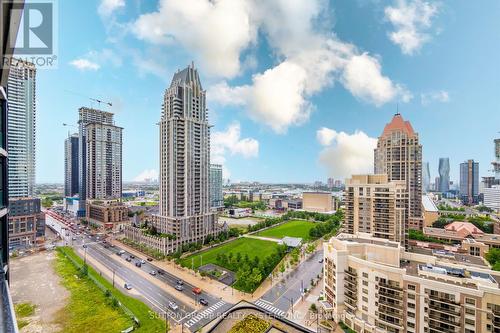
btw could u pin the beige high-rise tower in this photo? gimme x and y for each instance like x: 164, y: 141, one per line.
x: 375, y: 206
x: 399, y: 155
x: 185, y: 161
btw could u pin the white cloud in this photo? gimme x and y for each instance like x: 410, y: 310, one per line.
x: 348, y: 154
x: 216, y: 32
x: 147, y: 175
x: 325, y: 136
x: 309, y: 57
x: 107, y: 7
x: 230, y: 141
x: 85, y: 64
x: 441, y: 96
x: 411, y: 20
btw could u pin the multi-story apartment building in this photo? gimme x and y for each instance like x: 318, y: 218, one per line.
x: 185, y: 208
x: 469, y: 182
x: 216, y: 196
x: 24, y: 218
x: 492, y: 197
x: 376, y: 206
x: 496, y: 162
x: 444, y: 175
x: 86, y: 116
x: 399, y: 155
x: 374, y: 285
x: 104, y: 161
x: 21, y: 94
x: 9, y: 24
x: 71, y: 175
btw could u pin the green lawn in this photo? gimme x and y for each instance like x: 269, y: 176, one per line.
x: 250, y: 246
x: 89, y: 307
x: 292, y: 229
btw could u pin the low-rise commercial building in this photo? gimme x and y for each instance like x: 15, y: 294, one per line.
x: 429, y: 210
x: 374, y: 285
x: 107, y: 214
x: 319, y: 202
x: 25, y: 220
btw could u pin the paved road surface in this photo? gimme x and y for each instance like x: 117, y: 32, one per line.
x: 282, y: 295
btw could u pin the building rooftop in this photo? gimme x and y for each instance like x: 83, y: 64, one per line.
x: 366, y: 240
x: 291, y: 241
x: 398, y: 124
x: 429, y: 205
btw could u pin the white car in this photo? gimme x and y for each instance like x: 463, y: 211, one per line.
x: 173, y: 306
x: 127, y: 286
x: 152, y: 273
x: 143, y: 261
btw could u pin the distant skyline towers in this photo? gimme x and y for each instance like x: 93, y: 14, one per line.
x: 185, y: 208
x: 216, y: 195
x: 399, y: 155
x: 71, y: 176
x: 21, y: 128
x: 469, y: 182
x: 426, y: 177
x: 444, y: 174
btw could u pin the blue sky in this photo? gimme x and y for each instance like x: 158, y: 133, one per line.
x: 276, y: 73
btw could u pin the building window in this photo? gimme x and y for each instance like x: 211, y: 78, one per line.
x: 469, y: 321
x: 470, y: 301
x: 411, y: 287
x: 365, y: 275
x: 470, y: 311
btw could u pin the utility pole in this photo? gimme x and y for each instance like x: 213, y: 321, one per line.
x: 113, y: 278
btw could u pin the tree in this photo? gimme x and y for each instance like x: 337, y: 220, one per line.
x: 493, y: 257
x: 282, y: 269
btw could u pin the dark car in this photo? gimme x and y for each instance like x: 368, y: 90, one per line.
x: 132, y: 256
x: 128, y: 259
x: 161, y: 271
x: 180, y: 282
x: 150, y: 259
x: 138, y: 264
x: 203, y: 301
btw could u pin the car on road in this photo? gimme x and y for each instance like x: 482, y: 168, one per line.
x: 150, y: 259
x: 173, y: 306
x: 196, y: 290
x: 73, y: 238
x: 179, y: 287
x: 132, y: 256
x: 143, y: 261
x: 128, y: 259
x: 180, y: 282
x: 121, y: 252
x: 161, y: 271
x: 138, y: 264
x: 127, y: 286
x: 153, y: 273
x: 203, y: 302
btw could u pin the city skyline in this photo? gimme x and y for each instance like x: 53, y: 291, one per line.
x: 443, y: 103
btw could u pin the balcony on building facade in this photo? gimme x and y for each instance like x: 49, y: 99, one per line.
x: 7, y: 316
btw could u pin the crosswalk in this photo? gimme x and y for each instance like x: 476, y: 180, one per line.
x: 269, y: 307
x: 207, y: 313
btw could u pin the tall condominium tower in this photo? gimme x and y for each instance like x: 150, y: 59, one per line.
x: 426, y: 177
x: 216, y: 196
x: 185, y: 160
x: 399, y: 155
x: 87, y: 116
x: 71, y: 165
x: 21, y: 133
x: 375, y: 206
x: 469, y: 182
x: 104, y: 161
x: 444, y: 175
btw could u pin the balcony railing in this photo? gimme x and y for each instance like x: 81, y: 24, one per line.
x: 8, y: 322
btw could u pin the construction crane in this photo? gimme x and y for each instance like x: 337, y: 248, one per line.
x: 99, y: 101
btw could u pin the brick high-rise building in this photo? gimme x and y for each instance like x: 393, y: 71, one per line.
x: 375, y: 206
x: 399, y: 155
x: 469, y: 182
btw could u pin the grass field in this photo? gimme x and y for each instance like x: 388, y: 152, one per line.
x: 250, y: 246
x: 292, y: 229
x: 89, y: 307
